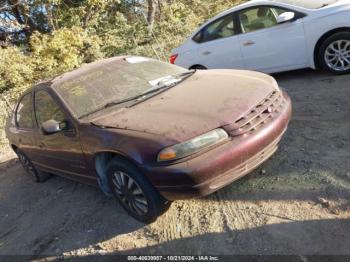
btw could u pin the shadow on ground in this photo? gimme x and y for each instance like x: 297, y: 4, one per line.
x: 35, y: 216
x: 286, y: 238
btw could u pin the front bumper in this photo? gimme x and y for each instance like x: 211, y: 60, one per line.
x: 216, y: 168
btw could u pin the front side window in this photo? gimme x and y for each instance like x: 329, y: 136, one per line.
x: 221, y: 28
x: 24, y: 113
x: 46, y: 108
x: 259, y: 18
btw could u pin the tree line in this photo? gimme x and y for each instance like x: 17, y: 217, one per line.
x: 43, y: 38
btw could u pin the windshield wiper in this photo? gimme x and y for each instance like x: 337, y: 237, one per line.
x: 120, y: 102
x: 143, y: 96
x: 185, y: 75
x: 155, y: 91
x: 173, y: 80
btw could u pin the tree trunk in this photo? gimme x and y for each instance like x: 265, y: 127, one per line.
x: 50, y: 18
x: 151, y: 15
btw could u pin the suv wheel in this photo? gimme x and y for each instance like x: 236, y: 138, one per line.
x: 334, y: 54
x: 134, y: 192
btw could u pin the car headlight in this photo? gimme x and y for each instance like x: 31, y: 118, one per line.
x: 192, y: 146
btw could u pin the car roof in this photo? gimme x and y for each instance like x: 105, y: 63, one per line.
x: 252, y: 3
x: 75, y: 73
x: 84, y: 69
x: 286, y: 3
x: 314, y: 4
x: 307, y: 4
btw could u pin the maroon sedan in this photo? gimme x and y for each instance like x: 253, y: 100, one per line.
x: 149, y: 132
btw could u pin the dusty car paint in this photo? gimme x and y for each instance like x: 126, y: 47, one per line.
x: 195, y: 106
x: 207, y: 100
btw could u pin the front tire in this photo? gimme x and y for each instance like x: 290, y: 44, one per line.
x: 334, y: 53
x: 134, y: 192
x: 36, y: 175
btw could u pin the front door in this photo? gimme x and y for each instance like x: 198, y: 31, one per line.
x: 59, y: 152
x: 268, y: 46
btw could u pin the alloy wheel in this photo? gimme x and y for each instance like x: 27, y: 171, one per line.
x: 337, y: 55
x: 130, y: 193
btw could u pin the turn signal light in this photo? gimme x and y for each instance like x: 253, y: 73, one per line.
x: 167, y: 154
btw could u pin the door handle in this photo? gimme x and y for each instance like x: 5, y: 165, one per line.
x: 206, y: 53
x: 248, y: 43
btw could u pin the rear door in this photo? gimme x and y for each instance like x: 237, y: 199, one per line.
x: 268, y: 46
x: 218, y: 44
x: 59, y: 152
x: 25, y: 129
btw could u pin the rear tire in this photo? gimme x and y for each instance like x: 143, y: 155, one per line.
x: 36, y: 175
x: 134, y: 192
x: 334, y: 53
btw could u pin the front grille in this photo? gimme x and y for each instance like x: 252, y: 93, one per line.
x: 260, y: 115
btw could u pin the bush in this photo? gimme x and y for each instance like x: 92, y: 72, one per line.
x: 113, y: 28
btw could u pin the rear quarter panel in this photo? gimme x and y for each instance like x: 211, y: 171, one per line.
x: 322, y: 22
x: 10, y: 130
x: 24, y: 139
x: 188, y: 54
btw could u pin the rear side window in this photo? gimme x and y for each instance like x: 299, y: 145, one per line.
x: 222, y: 28
x: 24, y: 112
x: 46, y: 108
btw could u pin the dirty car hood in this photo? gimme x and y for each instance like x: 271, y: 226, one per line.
x: 207, y: 100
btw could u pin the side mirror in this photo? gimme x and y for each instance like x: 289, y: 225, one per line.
x: 52, y: 126
x: 285, y: 17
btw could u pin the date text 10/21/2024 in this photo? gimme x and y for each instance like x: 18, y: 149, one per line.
x: 172, y: 258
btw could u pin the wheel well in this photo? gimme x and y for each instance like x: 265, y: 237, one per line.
x: 323, y: 38
x: 197, y: 66
x: 101, y: 161
x: 14, y: 147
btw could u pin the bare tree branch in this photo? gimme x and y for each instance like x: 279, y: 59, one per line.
x: 50, y: 19
x: 8, y: 7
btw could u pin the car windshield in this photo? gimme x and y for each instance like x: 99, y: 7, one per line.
x: 105, y: 83
x: 314, y: 4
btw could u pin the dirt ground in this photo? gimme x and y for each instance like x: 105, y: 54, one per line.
x: 296, y: 203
